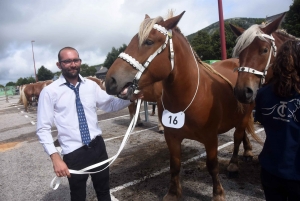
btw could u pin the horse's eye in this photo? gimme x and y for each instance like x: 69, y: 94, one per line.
x: 265, y: 50
x: 149, y: 42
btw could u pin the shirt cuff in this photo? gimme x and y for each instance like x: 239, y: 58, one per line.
x: 50, y: 148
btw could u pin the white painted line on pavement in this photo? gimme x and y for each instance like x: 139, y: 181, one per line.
x: 118, y: 117
x: 25, y: 116
x: 118, y: 188
x: 121, y: 187
x: 130, y: 134
x: 113, y: 198
x: 113, y: 118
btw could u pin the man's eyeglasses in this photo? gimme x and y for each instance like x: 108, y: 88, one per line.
x: 69, y: 61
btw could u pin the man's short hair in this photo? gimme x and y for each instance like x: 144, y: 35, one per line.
x: 66, y: 48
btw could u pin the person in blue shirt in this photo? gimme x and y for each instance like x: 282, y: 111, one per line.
x: 278, y: 110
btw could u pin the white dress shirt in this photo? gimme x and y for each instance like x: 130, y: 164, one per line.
x: 57, y: 105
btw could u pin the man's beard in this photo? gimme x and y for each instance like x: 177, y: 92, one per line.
x: 66, y: 73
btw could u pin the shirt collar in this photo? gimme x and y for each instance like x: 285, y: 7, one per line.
x: 62, y: 80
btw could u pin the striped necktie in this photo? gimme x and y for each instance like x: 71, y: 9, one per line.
x: 83, y: 126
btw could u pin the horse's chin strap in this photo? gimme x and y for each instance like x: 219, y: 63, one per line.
x: 264, y: 73
x: 141, y: 67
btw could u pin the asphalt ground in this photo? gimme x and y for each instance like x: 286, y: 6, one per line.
x: 141, y: 172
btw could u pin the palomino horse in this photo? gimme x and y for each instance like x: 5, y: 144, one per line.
x: 152, y: 93
x: 30, y: 93
x: 197, y: 102
x: 256, y: 48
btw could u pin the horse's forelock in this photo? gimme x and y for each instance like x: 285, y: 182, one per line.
x: 247, y: 38
x: 145, y: 28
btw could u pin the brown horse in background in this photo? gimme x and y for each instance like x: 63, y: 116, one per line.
x: 191, y: 88
x: 255, y: 47
x: 31, y: 92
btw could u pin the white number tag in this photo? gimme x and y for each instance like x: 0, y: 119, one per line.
x: 173, y: 120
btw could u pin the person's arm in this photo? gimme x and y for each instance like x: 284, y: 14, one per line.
x: 110, y: 103
x: 59, y: 166
x: 45, y: 116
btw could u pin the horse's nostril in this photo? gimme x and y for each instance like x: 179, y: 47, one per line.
x: 249, y: 92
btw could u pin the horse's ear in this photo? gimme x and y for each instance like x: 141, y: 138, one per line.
x: 236, y: 30
x: 273, y: 26
x: 172, y: 22
x: 147, y: 16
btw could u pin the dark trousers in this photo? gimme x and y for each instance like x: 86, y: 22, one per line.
x: 82, y: 158
x: 278, y: 189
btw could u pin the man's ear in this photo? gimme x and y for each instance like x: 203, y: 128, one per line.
x: 58, y: 65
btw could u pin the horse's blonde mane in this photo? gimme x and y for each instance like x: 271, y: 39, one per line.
x: 146, y: 26
x: 148, y: 23
x: 247, y: 37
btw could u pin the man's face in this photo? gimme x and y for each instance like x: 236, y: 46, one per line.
x: 69, y: 63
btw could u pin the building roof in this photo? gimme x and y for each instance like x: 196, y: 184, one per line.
x: 102, y: 70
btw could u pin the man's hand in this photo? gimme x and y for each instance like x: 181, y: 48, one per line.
x: 59, y: 166
x: 136, y: 96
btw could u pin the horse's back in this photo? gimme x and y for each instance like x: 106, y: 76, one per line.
x: 226, y: 68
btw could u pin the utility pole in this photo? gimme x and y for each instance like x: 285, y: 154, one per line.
x: 222, y: 31
x: 36, y: 78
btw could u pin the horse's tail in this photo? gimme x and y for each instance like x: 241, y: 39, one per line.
x: 24, y: 99
x: 250, y: 129
x: 21, y: 96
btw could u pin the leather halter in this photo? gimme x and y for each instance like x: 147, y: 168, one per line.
x: 141, y: 67
x: 264, y: 73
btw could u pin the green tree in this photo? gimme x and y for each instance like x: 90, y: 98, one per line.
x: 92, y: 70
x: 84, y: 70
x: 202, y: 45
x: 122, y: 48
x: 292, y: 19
x: 230, y: 40
x: 10, y: 84
x: 113, y: 55
x: 31, y: 80
x: 216, y: 45
x: 44, y: 74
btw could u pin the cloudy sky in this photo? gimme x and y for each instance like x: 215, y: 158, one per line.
x: 93, y: 27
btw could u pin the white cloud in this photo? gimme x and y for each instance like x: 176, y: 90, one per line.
x: 94, y: 27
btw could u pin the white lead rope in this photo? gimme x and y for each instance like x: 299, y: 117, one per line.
x: 57, y: 180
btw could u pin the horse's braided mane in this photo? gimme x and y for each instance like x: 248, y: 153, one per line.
x: 210, y: 69
x: 206, y: 65
x: 286, y: 34
x: 147, y: 25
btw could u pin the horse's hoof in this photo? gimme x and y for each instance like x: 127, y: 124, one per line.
x: 161, y: 131
x: 247, y: 158
x: 233, y: 175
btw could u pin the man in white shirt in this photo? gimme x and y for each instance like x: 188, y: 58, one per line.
x: 59, y: 104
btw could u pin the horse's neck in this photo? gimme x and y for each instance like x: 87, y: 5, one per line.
x: 281, y: 38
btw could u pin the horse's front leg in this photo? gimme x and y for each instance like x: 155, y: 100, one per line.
x: 248, y: 155
x: 174, y: 146
x: 132, y: 110
x: 233, y: 167
x: 213, y: 169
